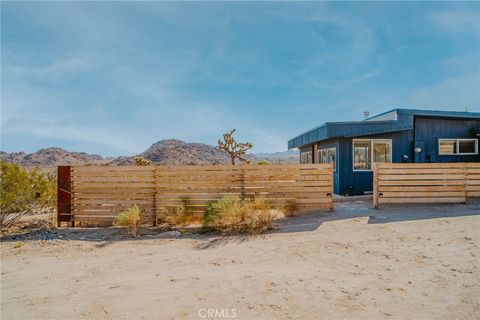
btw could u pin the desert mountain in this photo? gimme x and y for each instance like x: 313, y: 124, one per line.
x: 51, y: 157
x: 177, y: 152
x: 167, y: 152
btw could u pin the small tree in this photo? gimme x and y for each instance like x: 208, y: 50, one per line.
x: 141, y: 161
x: 236, y: 150
x: 23, y: 191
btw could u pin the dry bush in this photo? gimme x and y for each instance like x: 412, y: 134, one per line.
x: 179, y: 216
x: 130, y: 218
x: 231, y: 215
x: 259, y: 215
x: 290, y: 208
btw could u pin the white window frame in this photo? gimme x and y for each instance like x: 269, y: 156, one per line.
x: 318, y: 156
x: 456, y: 152
x: 372, y: 141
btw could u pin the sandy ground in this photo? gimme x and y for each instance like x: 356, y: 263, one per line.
x: 415, y: 262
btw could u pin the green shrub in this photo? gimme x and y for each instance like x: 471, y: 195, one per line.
x: 141, y: 161
x: 130, y: 218
x: 231, y: 215
x: 23, y: 191
x: 263, y: 162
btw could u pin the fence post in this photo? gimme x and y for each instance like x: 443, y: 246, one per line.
x: 375, y: 185
x: 465, y: 179
x: 64, y: 195
x: 155, y: 206
x: 242, y: 181
x: 332, y: 206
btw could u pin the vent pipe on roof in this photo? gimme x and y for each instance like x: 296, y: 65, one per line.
x: 366, y: 114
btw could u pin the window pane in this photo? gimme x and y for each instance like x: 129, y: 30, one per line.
x: 331, y: 155
x: 308, y: 157
x: 382, y: 152
x: 448, y: 147
x: 327, y: 156
x: 466, y: 146
x: 361, y: 160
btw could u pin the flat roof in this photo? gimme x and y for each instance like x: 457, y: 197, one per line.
x: 390, y: 121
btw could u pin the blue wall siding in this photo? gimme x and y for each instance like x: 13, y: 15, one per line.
x: 333, y: 143
x: 429, y: 130
x: 357, y: 182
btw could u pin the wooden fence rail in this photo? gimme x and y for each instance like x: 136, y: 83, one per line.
x: 100, y: 193
x: 425, y: 182
x: 472, y: 171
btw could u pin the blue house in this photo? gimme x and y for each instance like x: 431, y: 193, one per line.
x: 399, y: 135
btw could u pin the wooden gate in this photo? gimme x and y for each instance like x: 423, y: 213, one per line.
x: 425, y: 182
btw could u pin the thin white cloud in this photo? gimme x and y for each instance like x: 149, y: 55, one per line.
x: 458, y: 22
x: 59, y: 68
x: 456, y: 93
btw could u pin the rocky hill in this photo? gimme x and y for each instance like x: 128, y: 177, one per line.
x: 51, y: 157
x: 177, y: 152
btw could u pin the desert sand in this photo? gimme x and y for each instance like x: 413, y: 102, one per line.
x: 412, y: 262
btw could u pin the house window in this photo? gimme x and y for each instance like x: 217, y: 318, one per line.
x: 306, y: 157
x: 457, y: 146
x: 367, y: 152
x: 328, y: 156
x: 382, y: 151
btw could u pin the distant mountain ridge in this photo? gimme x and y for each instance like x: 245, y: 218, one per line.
x: 50, y: 157
x: 163, y: 152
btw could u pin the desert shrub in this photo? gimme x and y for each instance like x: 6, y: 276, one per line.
x: 263, y: 162
x: 141, y: 161
x: 231, y: 215
x: 226, y: 214
x: 130, y: 218
x: 23, y: 191
x: 259, y: 215
x: 180, y: 215
x: 290, y: 208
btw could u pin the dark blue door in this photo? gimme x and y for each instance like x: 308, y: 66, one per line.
x: 419, y: 151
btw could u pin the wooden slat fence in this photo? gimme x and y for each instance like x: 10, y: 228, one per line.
x: 473, y: 179
x: 100, y: 193
x: 302, y: 186
x: 425, y: 182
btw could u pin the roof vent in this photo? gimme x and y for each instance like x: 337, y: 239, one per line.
x: 366, y: 114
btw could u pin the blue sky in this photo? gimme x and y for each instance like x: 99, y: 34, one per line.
x: 114, y: 77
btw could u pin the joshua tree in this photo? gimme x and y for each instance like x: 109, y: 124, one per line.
x: 141, y: 161
x: 234, y: 149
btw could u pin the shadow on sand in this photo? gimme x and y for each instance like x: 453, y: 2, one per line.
x: 386, y: 214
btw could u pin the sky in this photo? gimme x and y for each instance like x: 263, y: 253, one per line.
x: 112, y: 78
